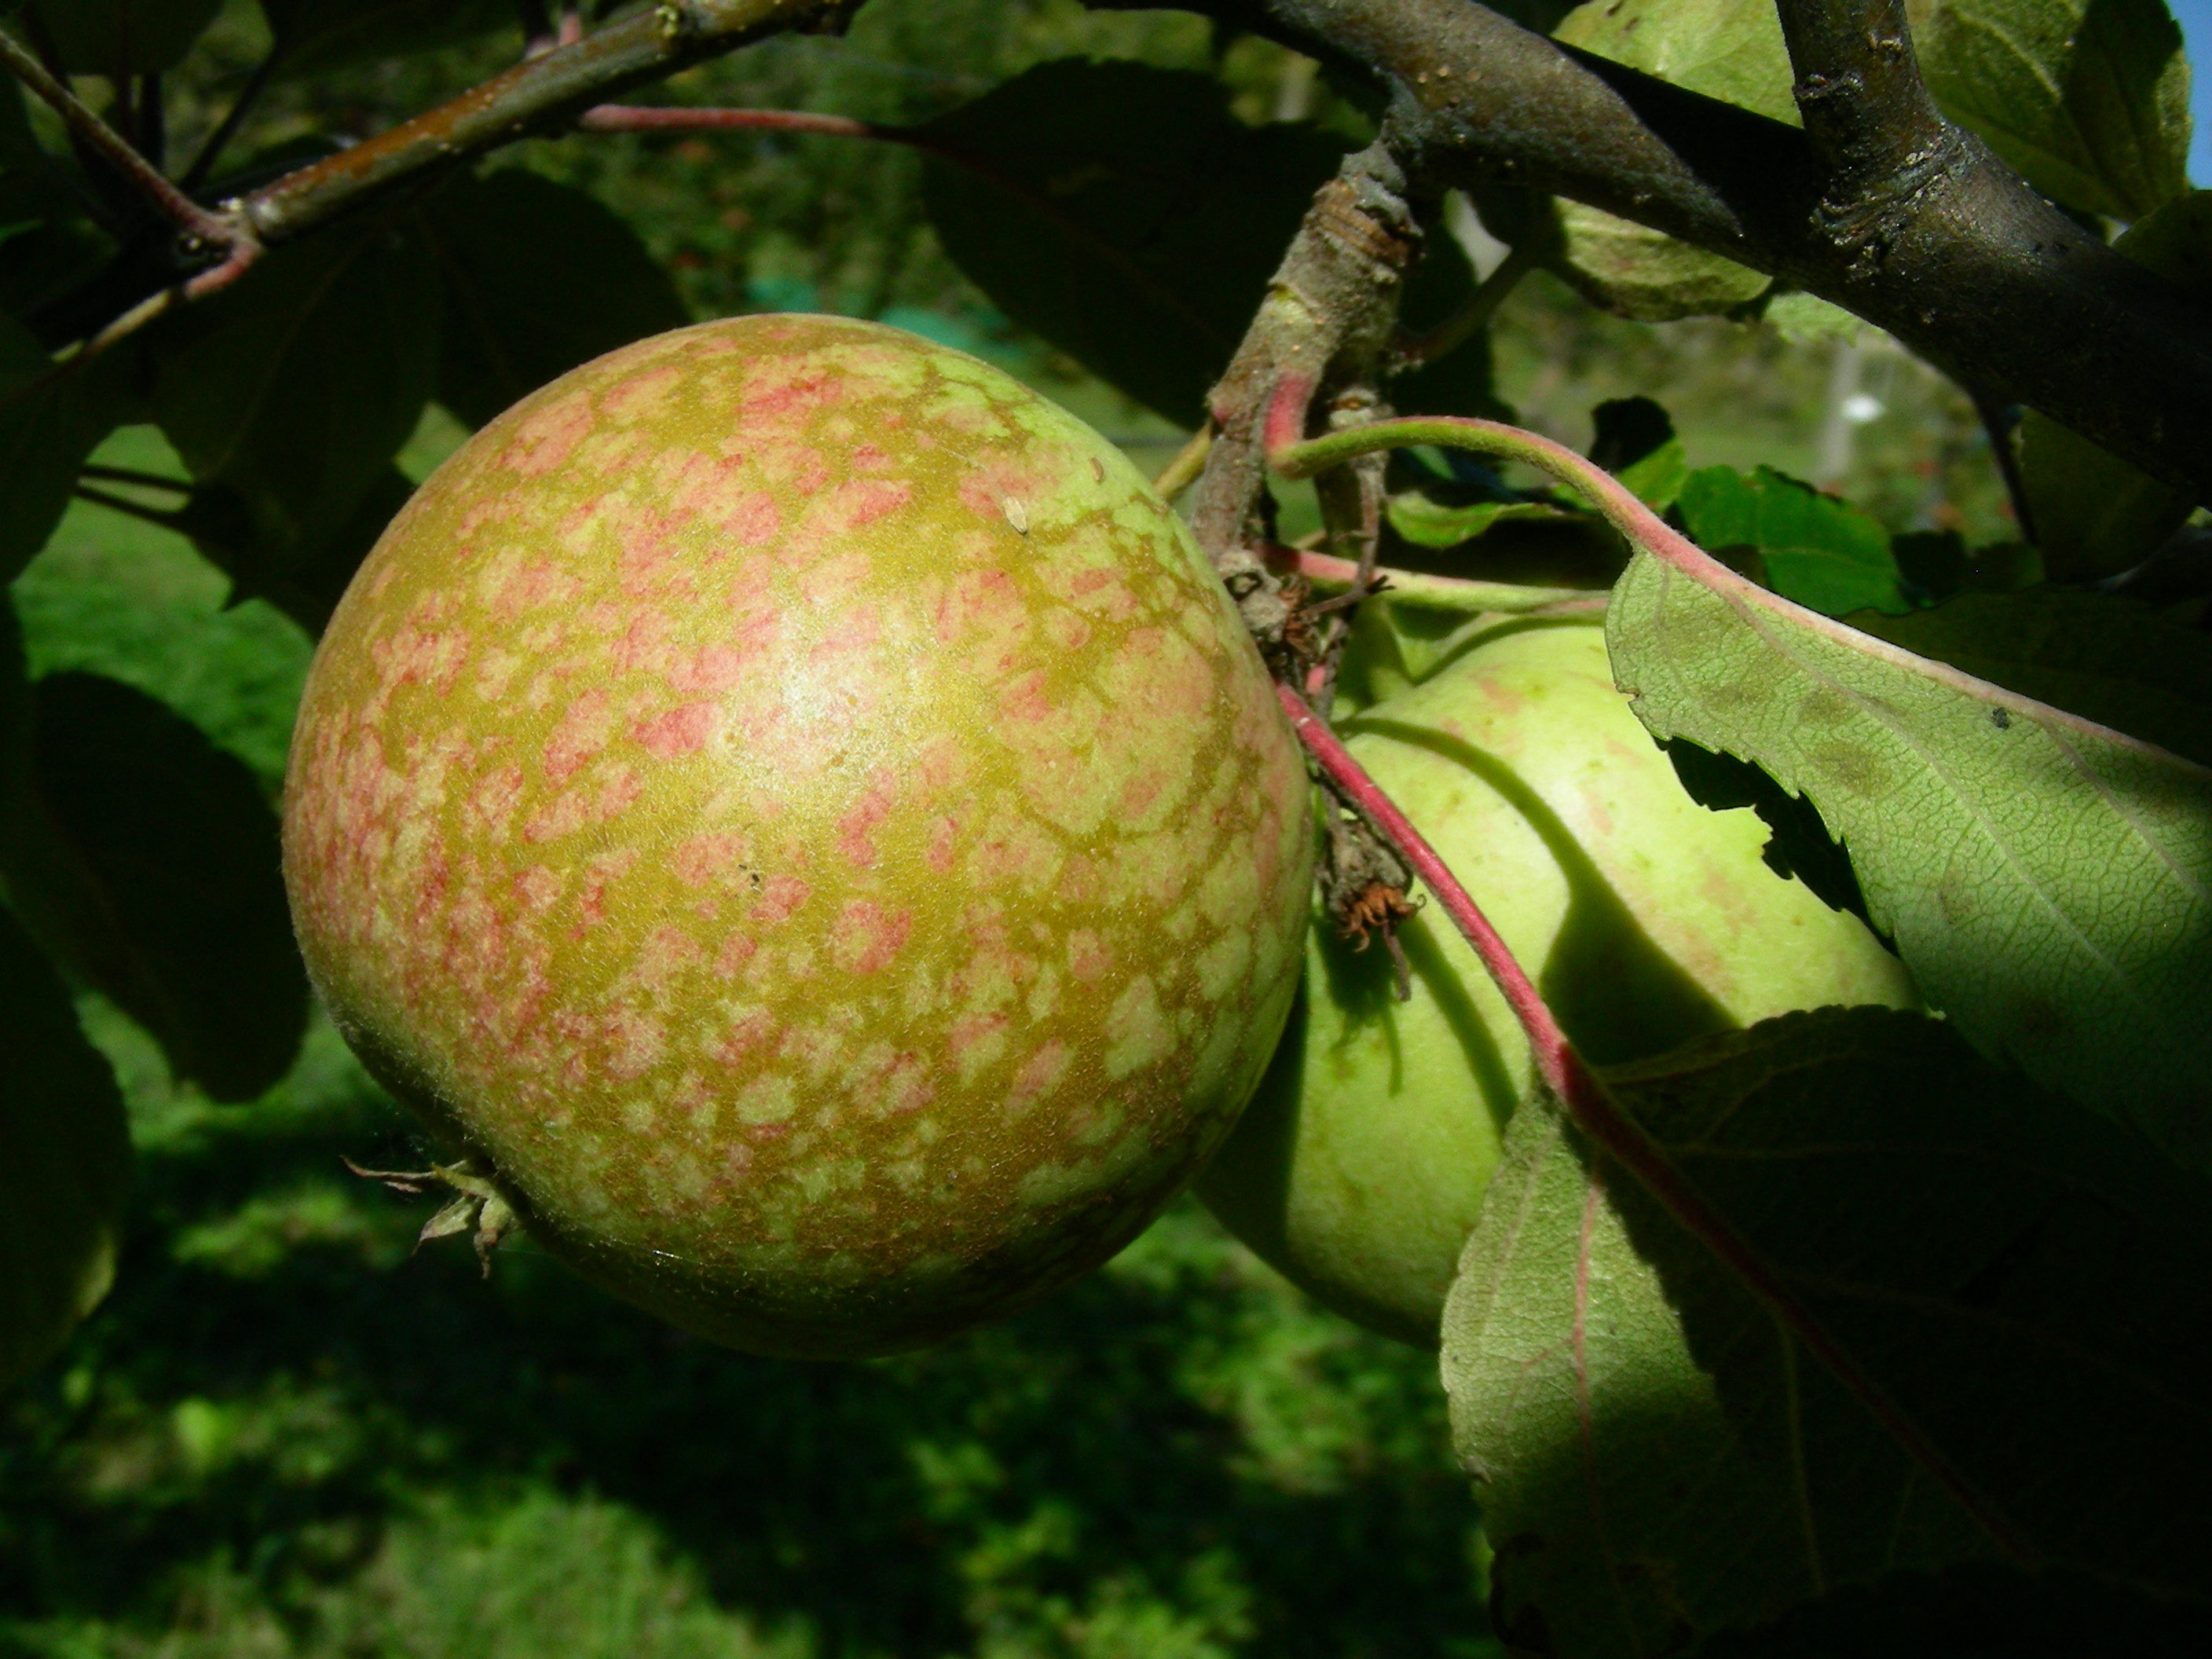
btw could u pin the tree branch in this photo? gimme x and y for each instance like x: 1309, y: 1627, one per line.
x: 543, y: 93
x: 1969, y: 267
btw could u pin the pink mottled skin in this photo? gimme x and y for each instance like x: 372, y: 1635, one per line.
x: 798, y: 806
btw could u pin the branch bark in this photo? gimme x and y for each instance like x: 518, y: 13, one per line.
x: 1956, y: 256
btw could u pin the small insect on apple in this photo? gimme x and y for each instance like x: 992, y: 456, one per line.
x: 794, y: 810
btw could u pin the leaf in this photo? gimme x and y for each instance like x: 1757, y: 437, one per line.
x: 2108, y: 659
x: 66, y: 1151
x: 2087, y: 99
x: 303, y: 576
x: 1634, y: 439
x: 147, y: 862
x: 2096, y: 514
x: 50, y: 422
x: 1427, y: 522
x: 513, y: 319
x: 1460, y: 382
x: 125, y: 37
x: 1811, y: 548
x: 1121, y: 212
x: 2024, y: 1290
x: 315, y: 35
x: 1725, y: 49
x: 297, y: 387
x: 2045, y: 878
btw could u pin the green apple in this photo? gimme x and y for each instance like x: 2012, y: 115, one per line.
x: 1645, y: 919
x: 797, y: 810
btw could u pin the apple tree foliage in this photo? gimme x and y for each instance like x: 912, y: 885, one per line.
x: 1895, y: 1321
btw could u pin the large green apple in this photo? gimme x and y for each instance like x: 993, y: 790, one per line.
x: 797, y: 807
x: 1646, y: 920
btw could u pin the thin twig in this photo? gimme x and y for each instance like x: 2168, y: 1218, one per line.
x: 126, y: 475
x: 1419, y: 351
x: 1998, y: 420
x: 202, y: 224
x: 1189, y: 461
x: 675, y: 117
x: 210, y: 151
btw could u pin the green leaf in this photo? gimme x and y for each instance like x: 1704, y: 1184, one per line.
x: 2024, y: 1291
x: 2087, y: 99
x: 1725, y: 49
x: 2094, y: 513
x: 1122, y: 213
x: 2108, y: 659
x: 66, y: 1149
x: 1634, y: 439
x: 1812, y: 547
x: 147, y: 862
x: 315, y: 35
x: 1425, y: 521
x: 2049, y: 882
x: 297, y: 387
x: 124, y: 37
x: 516, y: 319
x: 303, y: 576
x: 50, y: 421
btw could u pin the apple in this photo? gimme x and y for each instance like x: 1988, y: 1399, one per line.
x: 1646, y: 920
x: 795, y: 808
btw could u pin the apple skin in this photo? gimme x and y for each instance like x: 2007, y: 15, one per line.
x: 798, y: 807
x: 1646, y: 920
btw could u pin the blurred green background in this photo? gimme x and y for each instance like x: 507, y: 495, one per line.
x: 285, y: 1435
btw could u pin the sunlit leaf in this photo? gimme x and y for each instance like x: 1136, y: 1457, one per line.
x: 2048, y: 880
x: 514, y: 318
x: 2088, y: 100
x: 2020, y: 1295
x: 1808, y: 547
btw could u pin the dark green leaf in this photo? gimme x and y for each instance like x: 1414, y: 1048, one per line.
x: 1458, y: 383
x: 1122, y: 213
x: 314, y: 35
x: 1811, y: 548
x: 2048, y: 881
x: 120, y: 37
x: 2025, y: 1289
x: 1633, y: 439
x: 50, y: 421
x: 2110, y: 660
x: 2096, y: 514
x: 2088, y: 99
x: 64, y: 1154
x: 147, y: 863
x: 302, y: 576
x: 515, y: 318
x: 297, y: 387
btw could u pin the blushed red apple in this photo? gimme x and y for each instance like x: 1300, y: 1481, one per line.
x: 796, y: 806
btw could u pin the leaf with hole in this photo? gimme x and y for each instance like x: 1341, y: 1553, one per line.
x: 2047, y: 879
x: 1124, y: 214
x: 1995, y: 1313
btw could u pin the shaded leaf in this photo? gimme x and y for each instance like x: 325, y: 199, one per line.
x: 1725, y: 49
x: 133, y: 37
x: 50, y: 421
x: 2087, y: 99
x: 2024, y: 1289
x: 147, y: 863
x: 297, y: 387
x: 1633, y: 439
x: 314, y: 35
x: 1460, y: 382
x: 514, y: 318
x: 66, y: 1151
x: 302, y: 576
x: 1809, y: 547
x: 2048, y: 881
x: 1122, y: 213
x: 2096, y: 514
x: 2109, y: 659
x: 1425, y: 521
